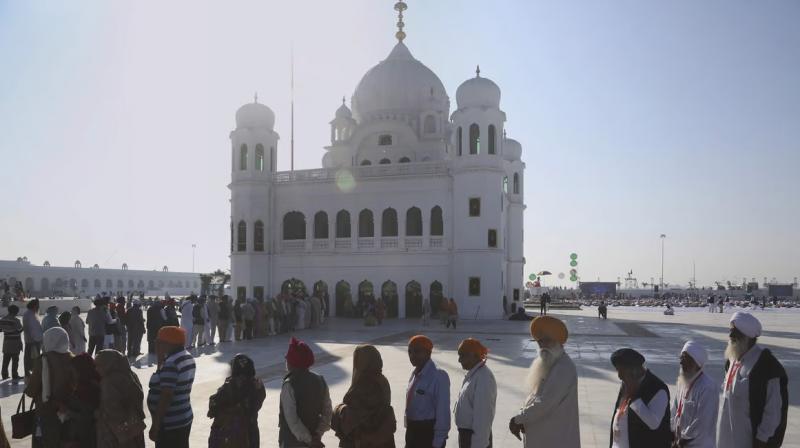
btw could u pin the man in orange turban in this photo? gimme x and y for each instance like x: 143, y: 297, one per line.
x: 427, y: 398
x: 170, y: 389
x: 474, y: 408
x: 549, y: 416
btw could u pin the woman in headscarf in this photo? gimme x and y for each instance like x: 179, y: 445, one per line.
x: 235, y: 407
x: 51, y: 386
x: 63, y: 322
x: 120, y: 417
x: 366, y: 419
x: 50, y: 319
x: 84, y: 402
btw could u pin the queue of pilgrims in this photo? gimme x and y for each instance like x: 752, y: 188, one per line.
x: 86, y: 401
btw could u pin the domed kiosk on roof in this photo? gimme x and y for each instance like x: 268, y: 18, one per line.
x: 255, y: 115
x: 478, y: 92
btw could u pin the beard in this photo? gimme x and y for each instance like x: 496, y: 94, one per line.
x: 540, y: 368
x: 736, y: 349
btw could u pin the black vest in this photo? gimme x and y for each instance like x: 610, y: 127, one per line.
x: 308, y: 391
x: 765, y: 369
x: 639, y: 434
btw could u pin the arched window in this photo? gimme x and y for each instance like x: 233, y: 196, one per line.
x: 258, y: 237
x: 259, y: 157
x: 414, y: 222
x: 294, y: 226
x: 84, y: 283
x: 389, y: 222
x: 243, y: 157
x: 366, y: 163
x: 491, y: 139
x: 366, y: 226
x: 474, y: 139
x: 98, y: 283
x: 404, y: 160
x: 437, y: 224
x: 516, y: 183
x: 430, y: 124
x: 505, y: 184
x: 385, y: 161
x: 241, y: 242
x: 109, y: 283
x: 343, y: 224
x: 321, y: 225
x: 460, y: 138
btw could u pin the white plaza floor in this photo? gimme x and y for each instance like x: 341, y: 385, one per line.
x: 591, y: 342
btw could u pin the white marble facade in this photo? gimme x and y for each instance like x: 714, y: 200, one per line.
x: 412, y: 201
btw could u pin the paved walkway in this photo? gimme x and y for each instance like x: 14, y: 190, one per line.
x: 591, y: 342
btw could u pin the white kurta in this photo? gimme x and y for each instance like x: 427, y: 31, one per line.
x: 186, y: 319
x: 475, y: 405
x: 734, y: 420
x: 550, y: 417
x: 698, y: 420
x: 650, y: 413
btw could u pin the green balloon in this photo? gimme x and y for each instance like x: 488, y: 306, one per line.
x: 573, y: 278
x: 573, y: 256
x: 573, y: 263
x: 532, y: 277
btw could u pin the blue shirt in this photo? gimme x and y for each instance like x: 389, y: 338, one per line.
x: 176, y: 374
x: 430, y: 400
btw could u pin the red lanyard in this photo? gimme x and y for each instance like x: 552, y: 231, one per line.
x: 731, y: 375
x: 623, y: 407
x: 679, y: 412
x: 410, y: 392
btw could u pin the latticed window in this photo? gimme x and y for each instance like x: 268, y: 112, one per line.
x: 474, y: 139
x: 437, y: 224
x: 258, y: 236
x: 243, y: 157
x: 241, y: 242
x: 414, y: 222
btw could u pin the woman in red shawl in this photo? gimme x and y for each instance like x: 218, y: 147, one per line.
x: 84, y: 403
x: 366, y: 419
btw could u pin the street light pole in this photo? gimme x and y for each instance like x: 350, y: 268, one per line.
x: 193, y: 248
x: 663, y: 237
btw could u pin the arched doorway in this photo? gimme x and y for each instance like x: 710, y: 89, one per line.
x: 29, y: 285
x: 436, y: 297
x: 389, y: 296
x: 344, y: 300
x: 321, y: 291
x: 293, y: 286
x: 366, y: 295
x: 45, y: 286
x: 413, y: 299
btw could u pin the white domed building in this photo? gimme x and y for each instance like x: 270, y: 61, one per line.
x: 412, y: 201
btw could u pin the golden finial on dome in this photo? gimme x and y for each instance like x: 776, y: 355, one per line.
x: 400, y: 7
x: 478, y: 71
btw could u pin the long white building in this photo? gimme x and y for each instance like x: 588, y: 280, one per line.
x: 412, y: 200
x: 45, y: 280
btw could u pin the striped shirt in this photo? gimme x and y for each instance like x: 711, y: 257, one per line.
x: 12, y: 327
x: 177, y: 374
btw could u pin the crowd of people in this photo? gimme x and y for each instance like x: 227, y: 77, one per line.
x: 86, y: 394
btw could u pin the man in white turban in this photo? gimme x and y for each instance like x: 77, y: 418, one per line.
x: 755, y: 397
x: 694, y: 406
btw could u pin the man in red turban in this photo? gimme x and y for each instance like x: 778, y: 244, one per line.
x: 305, y: 408
x: 475, y: 405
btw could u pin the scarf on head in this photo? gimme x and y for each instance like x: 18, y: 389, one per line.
x: 54, y: 340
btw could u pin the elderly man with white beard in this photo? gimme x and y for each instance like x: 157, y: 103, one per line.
x: 549, y: 417
x: 695, y: 404
x: 755, y: 396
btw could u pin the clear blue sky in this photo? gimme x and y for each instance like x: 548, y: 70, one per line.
x: 636, y: 117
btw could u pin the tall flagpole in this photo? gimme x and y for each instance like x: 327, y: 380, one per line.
x: 291, y: 81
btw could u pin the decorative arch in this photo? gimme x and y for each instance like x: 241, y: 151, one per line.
x: 516, y: 183
x: 45, y: 285
x: 343, y: 224
x: 29, y: 286
x: 474, y: 139
x: 366, y: 224
x: 258, y: 237
x: 437, y: 222
x: 241, y: 240
x: 366, y: 162
x: 429, y: 125
x: 414, y: 222
x: 243, y: 157
x: 130, y: 284
x: 460, y: 140
x: 389, y: 222
x: 259, y: 157
x: 385, y: 161
x: 98, y: 283
x: 344, y: 300
x: 120, y: 284
x: 294, y: 226
x: 84, y: 283
x: 491, y: 139
x: 321, y: 225
x: 78, y: 264
x: 293, y: 286
x: 109, y: 283
x: 151, y: 285
x: 366, y: 293
x: 321, y: 291
x: 413, y: 299
x: 140, y: 284
x: 404, y: 160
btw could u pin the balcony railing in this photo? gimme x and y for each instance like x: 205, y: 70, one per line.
x: 437, y: 242
x: 294, y: 245
x: 413, y: 242
x: 362, y: 172
x: 366, y: 243
x: 343, y: 243
x: 320, y: 244
x: 389, y: 243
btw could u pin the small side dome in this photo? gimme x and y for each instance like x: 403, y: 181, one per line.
x: 343, y: 111
x: 255, y: 115
x: 512, y: 150
x: 478, y: 92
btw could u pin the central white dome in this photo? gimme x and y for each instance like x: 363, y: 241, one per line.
x: 399, y: 84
